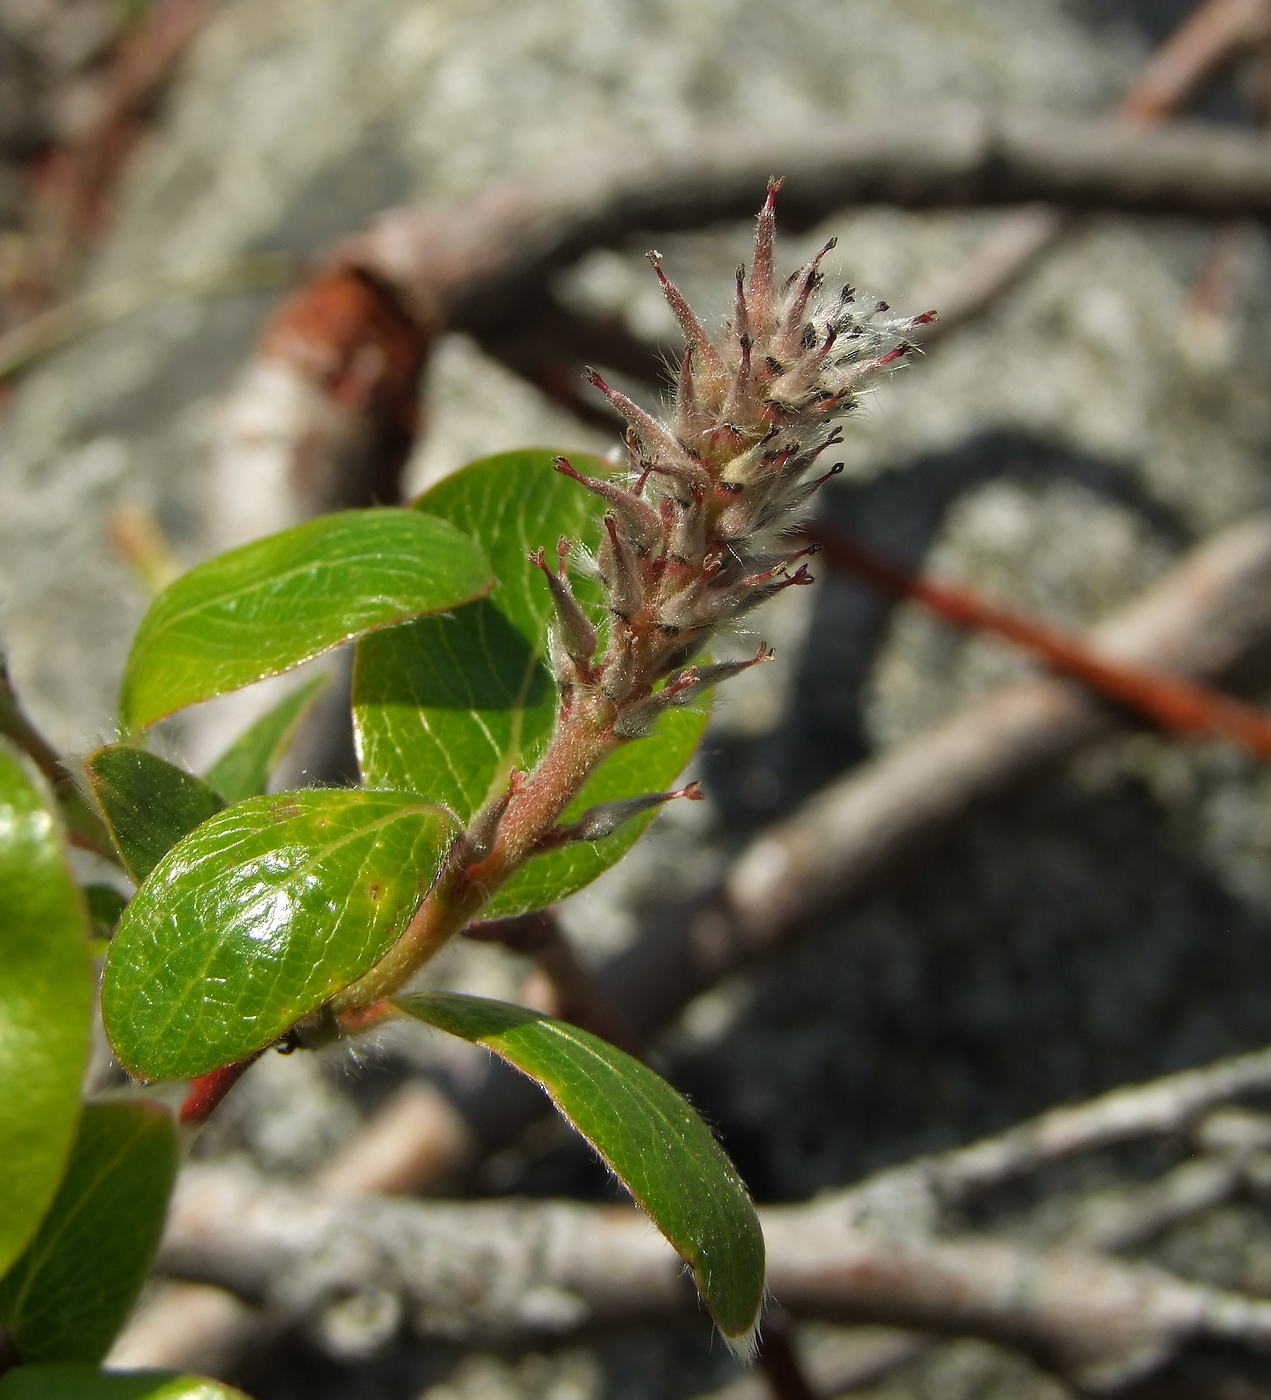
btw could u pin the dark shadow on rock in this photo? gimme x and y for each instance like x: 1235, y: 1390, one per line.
x: 899, y: 513
x: 1062, y: 943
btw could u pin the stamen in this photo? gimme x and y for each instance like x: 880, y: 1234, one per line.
x: 741, y: 316
x: 760, y: 296
x: 577, y: 635
x: 693, y: 331
x: 645, y: 427
x: 640, y: 521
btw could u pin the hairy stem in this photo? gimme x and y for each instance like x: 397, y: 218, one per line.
x: 465, y: 886
x: 83, y: 824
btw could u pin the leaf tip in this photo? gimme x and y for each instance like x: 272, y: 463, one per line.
x: 745, y: 1345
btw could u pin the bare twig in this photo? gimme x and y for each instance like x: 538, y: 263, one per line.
x: 1178, y: 706
x: 75, y: 181
x: 499, y: 1272
x: 1214, y: 33
x: 872, y: 1253
x: 325, y: 414
x: 847, y: 1360
x: 779, y: 1360
x: 1162, y: 1107
x: 479, y: 259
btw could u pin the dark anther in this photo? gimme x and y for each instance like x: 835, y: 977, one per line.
x: 774, y: 365
x: 808, y: 338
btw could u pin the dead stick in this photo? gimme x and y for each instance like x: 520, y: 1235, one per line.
x: 1098, y: 1320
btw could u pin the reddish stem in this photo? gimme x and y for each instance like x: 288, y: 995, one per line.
x: 207, y: 1091
x: 1174, y: 704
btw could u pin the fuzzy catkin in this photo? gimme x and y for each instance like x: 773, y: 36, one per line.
x: 698, y: 534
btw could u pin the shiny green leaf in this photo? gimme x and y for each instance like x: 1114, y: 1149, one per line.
x: 447, y: 706
x: 148, y: 803
x: 70, y: 1291
x: 258, y: 917
x: 46, y: 991
x: 266, y: 607
x: 648, y: 1135
x: 244, y: 769
x: 87, y: 1383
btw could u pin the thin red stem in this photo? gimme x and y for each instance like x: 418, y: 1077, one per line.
x: 207, y: 1091
x: 1177, y: 705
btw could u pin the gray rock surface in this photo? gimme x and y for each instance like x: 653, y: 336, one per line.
x: 1110, y: 925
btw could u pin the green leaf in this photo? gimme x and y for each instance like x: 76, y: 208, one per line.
x: 648, y: 1135
x: 87, y: 1383
x: 148, y: 803
x: 76, y: 1282
x: 258, y: 917
x: 447, y: 706
x: 46, y: 991
x: 266, y: 607
x: 244, y: 769
x: 105, y: 904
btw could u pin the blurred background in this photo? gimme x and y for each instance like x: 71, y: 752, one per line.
x: 171, y: 172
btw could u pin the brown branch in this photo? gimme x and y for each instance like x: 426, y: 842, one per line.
x: 480, y: 259
x: 499, y: 1272
x: 1195, y: 53
x: 1216, y: 32
x: 75, y: 181
x: 779, y: 1360
x: 324, y: 416
x: 846, y: 1360
x: 485, y: 266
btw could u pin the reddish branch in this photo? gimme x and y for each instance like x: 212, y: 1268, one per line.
x: 1176, y: 705
x: 1207, y: 40
x: 207, y: 1092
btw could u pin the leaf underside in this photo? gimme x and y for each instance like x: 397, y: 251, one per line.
x: 448, y: 706
x: 45, y: 1005
x: 258, y: 917
x: 648, y: 1135
x: 70, y: 1291
x: 148, y: 803
x: 268, y: 606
